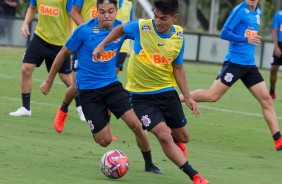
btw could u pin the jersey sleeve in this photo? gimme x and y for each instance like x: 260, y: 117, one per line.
x: 78, y: 3
x: 275, y: 22
x: 234, y: 19
x: 69, y: 5
x: 76, y: 39
x: 131, y: 27
x: 33, y: 3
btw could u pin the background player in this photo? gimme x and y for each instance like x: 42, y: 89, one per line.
x: 51, y: 32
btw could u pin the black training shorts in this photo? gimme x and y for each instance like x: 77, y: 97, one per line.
x: 38, y: 50
x: 277, y: 60
x: 161, y: 107
x: 231, y: 72
x: 96, y: 102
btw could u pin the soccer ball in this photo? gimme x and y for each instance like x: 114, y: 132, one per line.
x: 114, y: 164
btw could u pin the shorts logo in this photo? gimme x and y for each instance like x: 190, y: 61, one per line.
x: 50, y: 11
x: 90, y: 124
x: 146, y: 121
x: 228, y: 77
x: 146, y: 28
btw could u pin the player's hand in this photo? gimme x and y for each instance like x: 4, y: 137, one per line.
x: 277, y: 52
x: 256, y: 40
x: 97, y: 53
x: 25, y: 31
x: 193, y: 106
x: 45, y: 87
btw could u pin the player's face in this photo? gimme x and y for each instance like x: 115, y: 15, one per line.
x: 252, y: 3
x: 164, y: 22
x: 107, y: 15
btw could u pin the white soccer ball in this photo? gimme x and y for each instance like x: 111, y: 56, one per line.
x: 114, y: 164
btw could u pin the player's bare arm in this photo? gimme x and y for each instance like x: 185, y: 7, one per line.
x: 179, y: 75
x: 25, y: 32
x: 115, y: 34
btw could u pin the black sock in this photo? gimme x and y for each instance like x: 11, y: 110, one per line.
x: 272, y: 90
x: 147, y: 157
x: 26, y: 100
x: 65, y: 107
x: 277, y: 136
x: 187, y: 168
x: 77, y: 102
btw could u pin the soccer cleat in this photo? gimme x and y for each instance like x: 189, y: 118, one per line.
x: 183, y: 148
x: 80, y: 113
x: 21, y: 112
x: 272, y: 95
x: 59, y: 121
x: 153, y: 169
x: 198, y: 179
x: 278, y: 144
x: 114, y: 137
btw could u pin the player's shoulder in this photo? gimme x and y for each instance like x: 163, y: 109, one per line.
x: 117, y: 23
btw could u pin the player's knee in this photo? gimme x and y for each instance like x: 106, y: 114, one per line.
x: 104, y: 142
x: 26, y: 71
x: 164, y: 138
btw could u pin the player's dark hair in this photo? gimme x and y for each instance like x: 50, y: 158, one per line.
x: 110, y: 1
x: 166, y: 6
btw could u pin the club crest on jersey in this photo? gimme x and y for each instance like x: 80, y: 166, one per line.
x: 228, y: 77
x: 146, y: 28
x: 179, y: 34
x: 146, y: 121
x: 95, y: 30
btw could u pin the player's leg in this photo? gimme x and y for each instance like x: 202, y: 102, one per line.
x: 96, y: 114
x: 33, y: 57
x: 213, y: 94
x: 172, y: 151
x: 273, y: 77
x: 260, y: 92
x: 229, y: 74
x: 119, y: 104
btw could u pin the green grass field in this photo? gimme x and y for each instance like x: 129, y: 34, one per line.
x: 230, y: 142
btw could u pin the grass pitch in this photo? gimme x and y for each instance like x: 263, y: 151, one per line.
x: 230, y: 142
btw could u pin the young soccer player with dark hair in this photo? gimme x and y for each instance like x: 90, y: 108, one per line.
x: 155, y: 68
x: 98, y: 86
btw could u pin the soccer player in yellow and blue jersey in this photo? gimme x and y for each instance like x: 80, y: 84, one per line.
x: 155, y: 68
x: 51, y: 32
x: 241, y: 29
x: 99, y: 81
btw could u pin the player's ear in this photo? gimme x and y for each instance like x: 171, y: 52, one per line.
x: 175, y: 17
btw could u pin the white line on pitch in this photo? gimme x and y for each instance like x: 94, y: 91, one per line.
x: 201, y: 106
